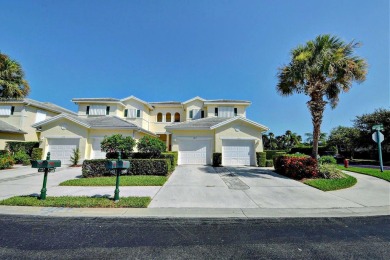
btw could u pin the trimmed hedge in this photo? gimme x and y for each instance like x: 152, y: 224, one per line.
x: 327, y: 159
x: 322, y: 150
x: 269, y: 163
x: 261, y: 158
x: 36, y: 154
x: 97, y: 168
x: 172, y: 157
x: 272, y: 153
x: 4, y: 152
x: 296, y: 167
x: 13, y: 147
x: 217, y: 159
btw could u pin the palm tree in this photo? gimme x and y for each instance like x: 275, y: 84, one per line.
x: 321, y: 139
x: 12, y: 82
x: 321, y: 69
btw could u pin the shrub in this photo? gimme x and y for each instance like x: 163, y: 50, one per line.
x: 97, y: 167
x: 151, y: 145
x: 172, y: 158
x: 269, y: 163
x: 261, y: 158
x: 75, y: 157
x: 327, y: 159
x: 329, y: 171
x: 6, y: 161
x: 36, y: 154
x: 217, y: 159
x: 27, y: 147
x: 4, y: 152
x: 118, y: 143
x: 272, y: 153
x: 308, y: 150
x: 21, y: 157
x: 296, y: 167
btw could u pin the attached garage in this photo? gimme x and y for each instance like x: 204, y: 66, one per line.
x: 62, y: 148
x: 194, y: 151
x: 96, y: 152
x: 236, y: 152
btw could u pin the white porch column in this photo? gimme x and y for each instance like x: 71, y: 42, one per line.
x: 167, y: 142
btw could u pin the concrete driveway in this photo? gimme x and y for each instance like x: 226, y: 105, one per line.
x: 240, y: 187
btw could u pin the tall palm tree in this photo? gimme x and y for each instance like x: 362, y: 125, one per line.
x: 321, y: 69
x: 12, y: 82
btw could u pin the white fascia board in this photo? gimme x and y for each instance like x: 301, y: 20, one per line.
x: 139, y: 100
x: 241, y: 119
x: 192, y: 99
x: 189, y: 138
x: 188, y: 128
x: 146, y: 131
x: 239, y: 138
x: 62, y: 137
x: 228, y: 103
x: 60, y: 116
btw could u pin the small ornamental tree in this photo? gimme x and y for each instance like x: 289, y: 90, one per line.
x: 151, y: 145
x: 117, y: 143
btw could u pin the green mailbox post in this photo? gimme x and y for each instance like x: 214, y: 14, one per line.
x: 46, y: 165
x: 118, y: 165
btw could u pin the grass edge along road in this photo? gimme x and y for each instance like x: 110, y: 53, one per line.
x: 385, y: 175
x: 133, y: 180
x: 78, y: 202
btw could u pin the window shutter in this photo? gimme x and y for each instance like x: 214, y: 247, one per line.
x: 191, y: 114
x: 216, y: 111
x: 202, y: 114
x: 126, y: 112
x: 107, y: 110
x: 87, y: 112
x: 12, y: 110
x: 235, y: 111
x: 138, y: 113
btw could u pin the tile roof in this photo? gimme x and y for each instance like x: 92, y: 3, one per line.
x: 203, y: 123
x: 227, y: 101
x: 7, y: 128
x: 95, y: 99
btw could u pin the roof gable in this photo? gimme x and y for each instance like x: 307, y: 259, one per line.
x: 137, y: 99
x: 193, y: 99
x: 243, y: 119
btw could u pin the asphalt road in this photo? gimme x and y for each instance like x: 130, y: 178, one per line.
x: 24, y: 237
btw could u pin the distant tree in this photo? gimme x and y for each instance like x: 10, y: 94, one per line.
x: 345, y: 138
x: 269, y: 141
x: 151, y: 145
x: 12, y: 82
x: 320, y: 69
x: 321, y: 141
x: 365, y: 122
x: 118, y: 143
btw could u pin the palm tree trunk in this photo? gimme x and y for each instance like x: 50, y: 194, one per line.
x: 316, y: 106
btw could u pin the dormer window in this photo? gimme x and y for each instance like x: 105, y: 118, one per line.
x: 6, y: 110
x: 235, y: 111
x: 226, y: 112
x: 133, y: 113
x: 97, y: 110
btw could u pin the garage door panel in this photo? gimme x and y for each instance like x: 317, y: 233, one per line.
x: 238, y: 152
x: 62, y: 149
x: 194, y: 152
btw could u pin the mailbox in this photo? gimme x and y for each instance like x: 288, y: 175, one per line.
x: 45, y: 164
x: 117, y: 165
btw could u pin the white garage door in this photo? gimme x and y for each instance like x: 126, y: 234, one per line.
x: 96, y: 150
x: 62, y: 149
x: 194, y: 152
x: 238, y: 152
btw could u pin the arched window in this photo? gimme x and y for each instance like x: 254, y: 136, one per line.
x: 177, y: 117
x: 168, y: 117
x: 159, y: 117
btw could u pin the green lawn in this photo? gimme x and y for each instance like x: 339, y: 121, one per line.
x: 78, y: 202
x: 385, y: 175
x: 332, y: 184
x: 134, y: 180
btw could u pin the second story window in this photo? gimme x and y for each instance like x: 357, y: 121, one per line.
x: 159, y: 117
x: 177, y: 117
x: 226, y: 112
x: 168, y: 117
x: 107, y: 110
x: 216, y: 111
x: 40, y: 116
x: 133, y: 113
x: 97, y: 110
x: 235, y: 111
x: 5, y: 110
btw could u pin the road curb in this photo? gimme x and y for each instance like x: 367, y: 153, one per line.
x: 247, y: 213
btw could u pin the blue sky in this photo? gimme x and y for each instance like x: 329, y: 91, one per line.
x: 175, y: 50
